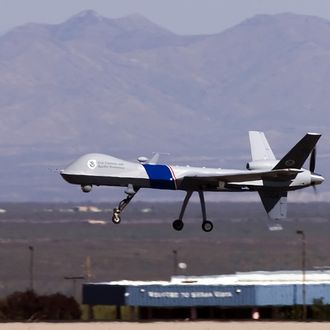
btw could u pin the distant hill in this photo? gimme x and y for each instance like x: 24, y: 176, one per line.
x: 129, y: 87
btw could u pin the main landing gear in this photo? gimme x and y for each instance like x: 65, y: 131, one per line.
x: 117, y: 210
x: 178, y: 224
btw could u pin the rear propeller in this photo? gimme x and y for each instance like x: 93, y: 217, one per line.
x: 312, y: 164
x: 312, y: 161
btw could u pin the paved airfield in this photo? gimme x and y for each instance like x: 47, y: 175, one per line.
x: 203, y: 325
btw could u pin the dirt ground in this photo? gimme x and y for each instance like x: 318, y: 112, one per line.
x: 208, y: 325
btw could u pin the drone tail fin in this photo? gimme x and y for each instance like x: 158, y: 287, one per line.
x: 260, y: 148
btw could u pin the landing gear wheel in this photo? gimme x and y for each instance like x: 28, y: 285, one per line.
x: 116, y: 216
x: 178, y: 224
x: 207, y: 226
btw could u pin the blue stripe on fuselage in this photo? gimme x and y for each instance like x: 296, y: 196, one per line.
x: 160, y: 176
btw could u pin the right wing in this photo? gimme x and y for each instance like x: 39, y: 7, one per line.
x: 198, y: 181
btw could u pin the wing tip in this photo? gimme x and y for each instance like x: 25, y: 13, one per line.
x: 313, y: 133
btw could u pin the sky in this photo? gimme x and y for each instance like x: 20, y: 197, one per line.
x: 180, y: 16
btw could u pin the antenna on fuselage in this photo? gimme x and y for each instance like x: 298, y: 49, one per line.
x: 153, y: 160
x: 143, y: 160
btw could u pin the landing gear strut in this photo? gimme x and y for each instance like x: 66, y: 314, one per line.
x: 116, y: 218
x: 207, y: 225
x: 178, y: 224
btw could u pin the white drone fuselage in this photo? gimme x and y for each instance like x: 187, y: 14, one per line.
x: 104, y: 170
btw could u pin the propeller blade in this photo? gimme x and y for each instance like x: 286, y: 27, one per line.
x: 312, y: 161
x: 315, y: 190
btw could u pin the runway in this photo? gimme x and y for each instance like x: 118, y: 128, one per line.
x: 198, y: 325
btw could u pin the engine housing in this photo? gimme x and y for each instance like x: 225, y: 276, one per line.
x: 261, y: 164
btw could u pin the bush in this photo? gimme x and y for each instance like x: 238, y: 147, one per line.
x: 60, y: 307
x: 321, y: 312
x: 28, y: 306
x: 21, y: 306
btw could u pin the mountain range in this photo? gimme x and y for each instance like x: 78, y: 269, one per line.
x: 128, y: 87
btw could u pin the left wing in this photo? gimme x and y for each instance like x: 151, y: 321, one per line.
x: 297, y: 156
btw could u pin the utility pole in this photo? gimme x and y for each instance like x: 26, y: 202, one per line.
x: 303, y: 268
x: 31, y: 267
x: 74, y: 286
x: 88, y: 268
x: 175, y: 262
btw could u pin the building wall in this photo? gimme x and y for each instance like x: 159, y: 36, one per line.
x: 203, y: 295
x: 288, y: 295
x: 276, y: 295
x: 190, y: 295
x: 103, y: 294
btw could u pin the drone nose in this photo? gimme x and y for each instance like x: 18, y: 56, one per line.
x: 316, y: 179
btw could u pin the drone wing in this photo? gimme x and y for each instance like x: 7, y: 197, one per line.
x: 203, y: 181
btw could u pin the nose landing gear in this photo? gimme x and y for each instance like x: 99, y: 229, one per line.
x: 116, y: 215
x: 116, y: 218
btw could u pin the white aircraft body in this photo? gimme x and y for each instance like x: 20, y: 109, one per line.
x: 271, y: 178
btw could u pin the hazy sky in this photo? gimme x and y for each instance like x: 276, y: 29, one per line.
x: 181, y: 16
